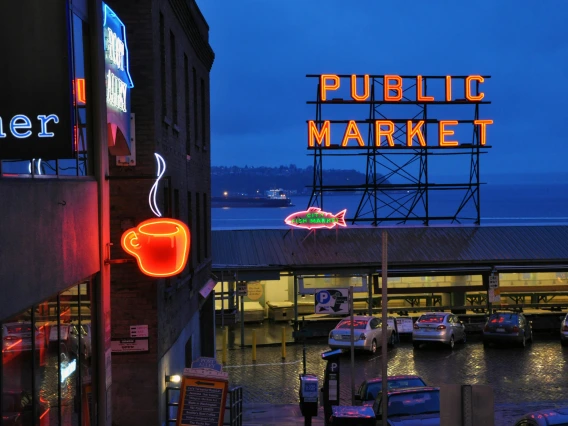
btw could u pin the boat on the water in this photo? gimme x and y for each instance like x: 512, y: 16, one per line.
x: 274, y: 198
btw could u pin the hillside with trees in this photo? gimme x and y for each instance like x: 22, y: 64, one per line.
x: 256, y: 180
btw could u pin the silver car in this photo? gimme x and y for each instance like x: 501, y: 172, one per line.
x: 564, y: 331
x: 367, y: 334
x: 440, y: 327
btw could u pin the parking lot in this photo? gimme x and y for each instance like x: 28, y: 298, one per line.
x: 522, y: 379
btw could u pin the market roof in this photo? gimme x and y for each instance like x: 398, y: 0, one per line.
x: 407, y: 247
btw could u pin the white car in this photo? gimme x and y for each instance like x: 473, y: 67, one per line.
x: 367, y: 334
x: 17, y: 337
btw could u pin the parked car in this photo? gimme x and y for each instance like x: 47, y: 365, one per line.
x: 85, y: 338
x: 507, y: 327
x: 367, y: 334
x: 369, y: 389
x: 17, y: 337
x: 564, y: 331
x: 553, y: 417
x: 410, y: 406
x: 439, y: 327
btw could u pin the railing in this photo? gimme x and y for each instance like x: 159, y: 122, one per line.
x: 234, y: 407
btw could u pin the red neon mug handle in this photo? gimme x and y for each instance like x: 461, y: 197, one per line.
x: 128, y: 239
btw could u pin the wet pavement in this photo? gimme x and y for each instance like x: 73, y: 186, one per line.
x: 522, y: 379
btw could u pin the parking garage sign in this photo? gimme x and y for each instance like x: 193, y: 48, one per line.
x: 332, y: 301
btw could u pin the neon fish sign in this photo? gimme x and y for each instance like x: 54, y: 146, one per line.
x: 160, y: 245
x: 314, y: 218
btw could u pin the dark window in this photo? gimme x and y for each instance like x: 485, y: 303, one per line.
x: 187, y: 112
x: 431, y: 319
x: 163, y: 65
x: 191, y: 228
x: 167, y: 202
x: 174, y: 77
x: 198, y: 227
x: 195, y: 122
x: 205, y: 227
x: 176, y: 203
x: 357, y: 324
x: 203, y: 115
x: 189, y: 352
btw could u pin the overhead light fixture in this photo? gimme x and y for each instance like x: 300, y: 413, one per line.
x: 175, y: 378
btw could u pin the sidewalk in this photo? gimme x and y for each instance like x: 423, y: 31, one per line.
x: 276, y: 414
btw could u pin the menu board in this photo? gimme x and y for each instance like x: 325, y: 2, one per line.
x: 202, y: 402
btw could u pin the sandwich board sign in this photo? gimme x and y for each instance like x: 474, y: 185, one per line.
x: 332, y: 301
x: 203, y: 394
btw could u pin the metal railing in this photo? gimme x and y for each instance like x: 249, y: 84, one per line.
x: 234, y: 407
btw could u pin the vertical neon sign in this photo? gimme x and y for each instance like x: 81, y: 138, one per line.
x: 118, y: 83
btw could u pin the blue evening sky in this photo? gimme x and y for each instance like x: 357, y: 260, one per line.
x: 264, y: 49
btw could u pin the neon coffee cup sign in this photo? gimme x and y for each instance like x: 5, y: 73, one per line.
x: 160, y: 245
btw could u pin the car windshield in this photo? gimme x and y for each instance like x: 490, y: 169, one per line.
x: 18, y: 328
x: 357, y: 324
x: 497, y: 318
x: 373, y: 389
x: 431, y: 318
x: 415, y: 403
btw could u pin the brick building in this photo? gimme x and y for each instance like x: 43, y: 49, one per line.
x: 170, y: 61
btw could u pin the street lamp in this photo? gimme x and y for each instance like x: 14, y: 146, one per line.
x: 175, y: 378
x: 225, y: 193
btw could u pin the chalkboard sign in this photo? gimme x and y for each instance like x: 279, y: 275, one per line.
x: 202, y: 402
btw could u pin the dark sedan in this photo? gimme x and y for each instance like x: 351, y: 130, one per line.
x: 410, y: 406
x: 369, y: 389
x: 507, y: 327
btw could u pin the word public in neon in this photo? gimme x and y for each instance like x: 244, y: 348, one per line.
x: 393, y: 92
x: 160, y: 245
x: 315, y: 218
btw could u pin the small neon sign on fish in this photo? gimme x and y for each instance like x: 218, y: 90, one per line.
x: 314, y: 218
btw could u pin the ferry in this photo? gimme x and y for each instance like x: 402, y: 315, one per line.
x: 273, y: 198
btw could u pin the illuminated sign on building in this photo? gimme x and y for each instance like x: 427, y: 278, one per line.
x: 160, y: 245
x: 36, y: 94
x: 314, y: 218
x: 409, y: 90
x: 118, y: 83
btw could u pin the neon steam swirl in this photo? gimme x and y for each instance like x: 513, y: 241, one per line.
x: 154, y: 189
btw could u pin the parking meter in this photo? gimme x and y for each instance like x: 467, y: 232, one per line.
x: 330, y: 389
x: 308, y: 397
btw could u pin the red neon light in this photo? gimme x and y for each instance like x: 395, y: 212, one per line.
x: 160, y: 246
x: 314, y: 218
x: 81, y: 90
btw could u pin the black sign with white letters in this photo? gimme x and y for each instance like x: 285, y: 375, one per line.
x: 36, y: 86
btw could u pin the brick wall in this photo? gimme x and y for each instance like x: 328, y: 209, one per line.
x: 165, y: 305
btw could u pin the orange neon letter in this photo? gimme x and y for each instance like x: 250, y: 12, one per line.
x: 81, y: 90
x: 468, y: 94
x: 482, y: 129
x: 416, y: 131
x: 324, y: 86
x: 448, y: 88
x: 443, y: 132
x: 320, y: 136
x: 396, y: 86
x: 380, y: 132
x: 352, y: 132
x: 420, y: 97
x: 366, y: 89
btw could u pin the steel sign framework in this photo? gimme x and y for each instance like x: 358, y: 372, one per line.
x: 401, y: 126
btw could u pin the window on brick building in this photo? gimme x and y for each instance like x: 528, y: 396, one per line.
x: 176, y: 203
x: 195, y: 122
x: 191, y: 227
x: 198, y: 228
x: 173, y: 71
x: 205, y: 219
x: 187, y: 112
x: 189, y: 352
x: 203, y: 115
x: 163, y: 65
